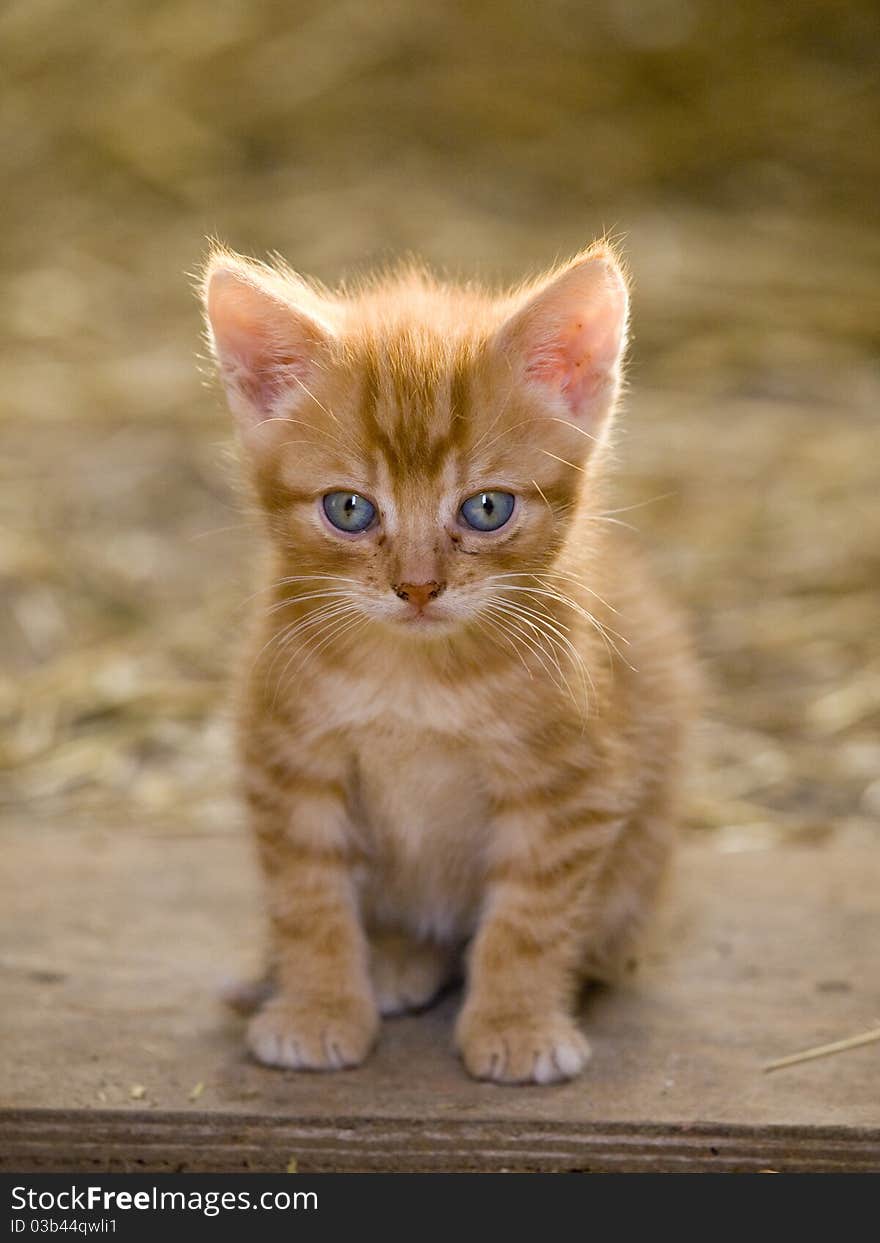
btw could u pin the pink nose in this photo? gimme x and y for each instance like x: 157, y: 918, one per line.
x: 419, y: 593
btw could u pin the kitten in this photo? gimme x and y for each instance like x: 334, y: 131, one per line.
x: 464, y: 713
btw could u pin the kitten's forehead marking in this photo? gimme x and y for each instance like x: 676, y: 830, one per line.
x: 414, y: 406
x: 416, y: 505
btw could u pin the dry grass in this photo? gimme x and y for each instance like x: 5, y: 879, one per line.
x: 733, y: 148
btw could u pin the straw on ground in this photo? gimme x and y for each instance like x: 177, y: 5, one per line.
x: 825, y: 1050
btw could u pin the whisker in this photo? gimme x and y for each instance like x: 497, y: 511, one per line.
x: 548, y: 591
x: 664, y: 496
x: 492, y: 628
x: 299, y: 578
x: 542, y: 614
x: 627, y: 526
x: 319, y: 404
x: 309, y: 595
x: 286, y: 633
x: 314, y: 618
x: 574, y: 427
x: 533, y: 646
x: 564, y: 461
x: 543, y: 497
x: 338, y: 623
x: 601, y: 628
x: 346, y: 626
x: 571, y: 578
x: 494, y: 422
x: 507, y: 431
x: 562, y: 643
x: 553, y: 594
x: 543, y: 622
x: 238, y: 526
x: 300, y: 629
x: 559, y: 574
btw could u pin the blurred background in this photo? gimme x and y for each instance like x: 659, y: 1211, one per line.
x: 735, y: 151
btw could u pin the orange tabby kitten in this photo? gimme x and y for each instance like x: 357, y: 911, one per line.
x: 462, y: 724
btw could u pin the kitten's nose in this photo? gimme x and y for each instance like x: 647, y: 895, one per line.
x: 418, y: 593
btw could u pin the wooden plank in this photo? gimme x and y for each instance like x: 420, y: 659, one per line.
x: 108, y: 1141
x: 114, y: 947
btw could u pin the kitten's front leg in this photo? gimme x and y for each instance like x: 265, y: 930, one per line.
x: 517, y: 1024
x: 323, y: 1015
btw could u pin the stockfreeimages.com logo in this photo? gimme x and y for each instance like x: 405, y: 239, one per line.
x: 96, y: 1199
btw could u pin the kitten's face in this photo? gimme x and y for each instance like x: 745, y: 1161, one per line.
x: 418, y: 450
x: 417, y: 511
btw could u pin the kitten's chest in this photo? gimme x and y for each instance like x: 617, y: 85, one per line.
x: 422, y: 811
x: 415, y: 786
x: 422, y: 752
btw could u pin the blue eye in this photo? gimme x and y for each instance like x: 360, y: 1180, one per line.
x: 349, y: 512
x: 487, y: 511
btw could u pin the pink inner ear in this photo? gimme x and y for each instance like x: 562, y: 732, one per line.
x: 579, y: 357
x: 263, y: 373
x: 263, y: 346
x: 573, y: 335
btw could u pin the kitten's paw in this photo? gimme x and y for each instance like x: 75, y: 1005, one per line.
x: 528, y: 1049
x: 316, y: 1036
x: 407, y: 975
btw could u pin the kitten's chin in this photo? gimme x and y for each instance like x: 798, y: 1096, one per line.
x: 424, y: 625
x: 435, y: 621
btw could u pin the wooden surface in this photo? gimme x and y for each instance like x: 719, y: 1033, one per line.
x: 117, y: 1055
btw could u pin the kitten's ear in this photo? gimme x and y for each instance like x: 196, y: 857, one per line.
x: 264, y: 343
x: 568, y: 341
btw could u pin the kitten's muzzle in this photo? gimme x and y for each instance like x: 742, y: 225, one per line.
x: 418, y: 594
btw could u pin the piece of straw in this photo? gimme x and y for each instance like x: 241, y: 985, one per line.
x: 825, y: 1050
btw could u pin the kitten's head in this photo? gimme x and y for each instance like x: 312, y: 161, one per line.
x: 415, y: 444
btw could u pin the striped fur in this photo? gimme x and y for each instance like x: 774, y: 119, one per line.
x: 491, y: 790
